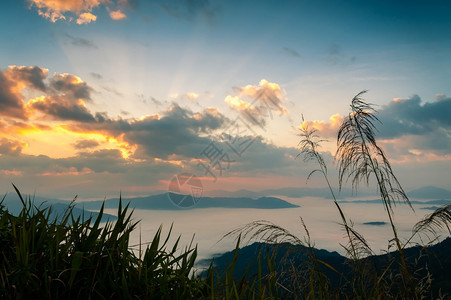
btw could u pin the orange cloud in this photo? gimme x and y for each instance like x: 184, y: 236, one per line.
x: 12, y: 83
x: 117, y: 15
x: 265, y: 99
x: 325, y: 128
x: 266, y: 93
x: 86, y: 18
x: 11, y: 172
x: 55, y: 10
x: 249, y: 111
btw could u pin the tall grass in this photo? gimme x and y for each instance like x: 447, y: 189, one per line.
x: 73, y: 258
x: 48, y: 256
x: 360, y: 160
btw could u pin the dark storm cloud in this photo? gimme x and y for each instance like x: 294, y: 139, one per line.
x: 104, y: 160
x: 410, y: 116
x: 178, y: 132
x: 418, y: 126
x: 80, y: 42
x: 406, y: 126
x: 31, y: 76
x: 60, y: 108
x: 12, y: 81
x: 11, y: 104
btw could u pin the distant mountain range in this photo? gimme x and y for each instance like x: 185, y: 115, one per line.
x: 156, y: 202
x: 427, y: 192
x: 293, y: 192
x: 421, y: 202
x: 432, y: 196
x: 163, y: 202
x: 430, y: 192
x: 59, y: 207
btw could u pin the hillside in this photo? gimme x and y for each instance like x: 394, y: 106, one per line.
x: 435, y: 258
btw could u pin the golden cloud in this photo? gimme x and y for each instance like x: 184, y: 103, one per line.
x: 267, y: 94
x: 265, y: 99
x: 117, y: 15
x: 55, y: 10
x: 325, y: 128
x: 86, y: 18
x: 12, y: 83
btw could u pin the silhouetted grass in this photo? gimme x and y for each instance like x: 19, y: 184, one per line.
x: 67, y: 258
x: 360, y: 159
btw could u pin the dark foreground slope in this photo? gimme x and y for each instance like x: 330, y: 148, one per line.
x: 434, y: 259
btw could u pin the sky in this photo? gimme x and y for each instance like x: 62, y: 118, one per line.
x: 101, y: 97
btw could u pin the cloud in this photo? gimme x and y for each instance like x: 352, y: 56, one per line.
x: 86, y: 144
x: 99, y: 149
x: 176, y: 132
x: 87, y: 174
x: 411, y: 116
x: 72, y: 86
x: 265, y: 99
x: 291, y: 52
x: 86, y: 18
x: 117, y: 15
x: 85, y: 11
x: 262, y: 157
x: 80, y: 10
x: 63, y: 96
x: 187, y: 96
x: 326, y: 129
x: 12, y: 82
x: 32, y: 76
x: 80, y: 42
x: 61, y: 108
x: 96, y: 75
x: 150, y: 99
x: 248, y: 111
x: 11, y: 147
x: 408, y: 127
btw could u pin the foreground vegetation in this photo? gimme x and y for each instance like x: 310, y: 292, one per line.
x: 48, y: 257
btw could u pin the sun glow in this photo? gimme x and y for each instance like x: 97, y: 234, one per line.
x: 60, y: 142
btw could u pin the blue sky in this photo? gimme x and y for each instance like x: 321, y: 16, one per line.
x: 133, y: 97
